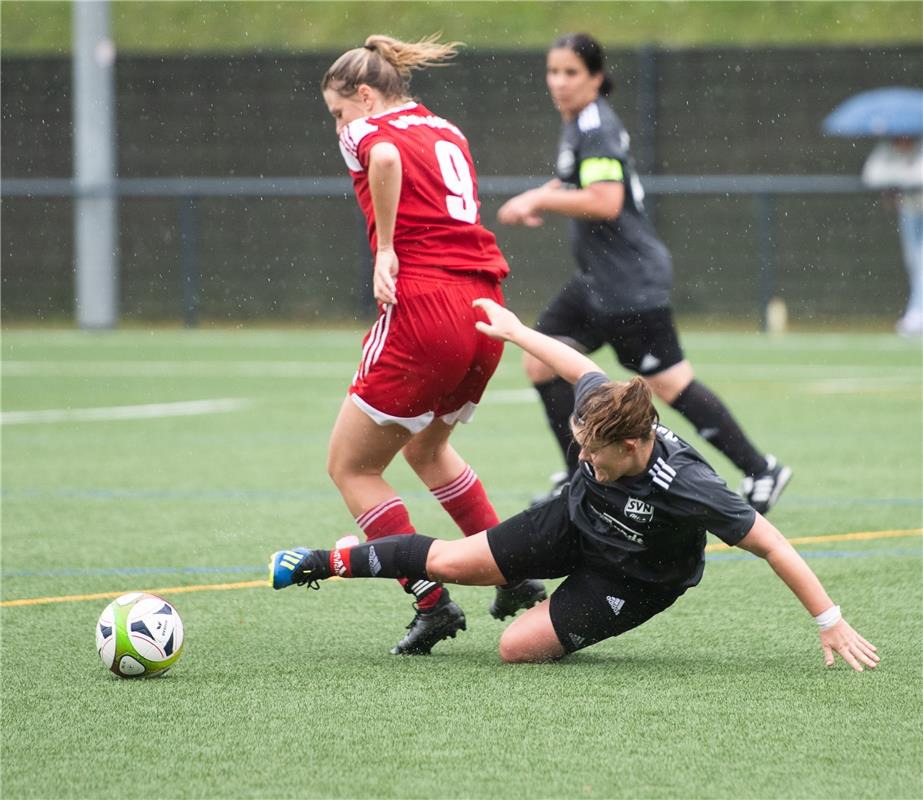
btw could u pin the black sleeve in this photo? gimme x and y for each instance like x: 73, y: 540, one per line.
x: 699, y: 493
x: 603, y: 149
x: 603, y: 142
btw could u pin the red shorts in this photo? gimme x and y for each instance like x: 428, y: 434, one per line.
x: 423, y: 358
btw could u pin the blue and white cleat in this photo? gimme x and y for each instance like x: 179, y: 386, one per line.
x: 296, y: 567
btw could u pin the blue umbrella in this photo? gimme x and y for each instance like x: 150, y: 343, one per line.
x: 878, y: 112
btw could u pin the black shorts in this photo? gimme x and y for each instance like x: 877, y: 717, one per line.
x: 591, y: 604
x: 645, y: 342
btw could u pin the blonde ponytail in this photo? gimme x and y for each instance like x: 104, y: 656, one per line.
x: 386, y: 64
x: 407, y: 56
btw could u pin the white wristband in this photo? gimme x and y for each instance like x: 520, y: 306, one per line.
x: 829, y: 618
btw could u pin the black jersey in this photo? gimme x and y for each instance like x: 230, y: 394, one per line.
x: 623, y: 263
x: 652, y: 526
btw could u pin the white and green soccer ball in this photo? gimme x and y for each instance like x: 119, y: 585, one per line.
x: 139, y: 635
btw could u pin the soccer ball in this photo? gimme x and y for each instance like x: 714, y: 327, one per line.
x: 139, y: 635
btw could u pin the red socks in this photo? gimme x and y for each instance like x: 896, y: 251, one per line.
x: 388, y: 519
x: 466, y: 502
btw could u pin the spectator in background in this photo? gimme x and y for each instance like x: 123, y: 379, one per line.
x: 424, y: 366
x: 620, y: 294
x: 897, y: 165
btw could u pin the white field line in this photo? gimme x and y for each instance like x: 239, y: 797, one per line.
x: 147, y: 411
x: 337, y: 369
x: 209, y: 369
x: 815, y: 372
x: 202, y: 339
x: 698, y: 339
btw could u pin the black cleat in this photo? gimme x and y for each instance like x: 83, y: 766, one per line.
x: 516, y: 597
x: 762, y: 491
x: 430, y: 626
x: 558, y: 481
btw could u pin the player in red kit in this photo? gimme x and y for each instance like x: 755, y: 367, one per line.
x: 423, y: 367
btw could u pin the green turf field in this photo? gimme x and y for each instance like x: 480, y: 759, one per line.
x: 293, y: 694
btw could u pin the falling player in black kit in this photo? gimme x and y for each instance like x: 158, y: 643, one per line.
x: 620, y: 293
x: 627, y: 533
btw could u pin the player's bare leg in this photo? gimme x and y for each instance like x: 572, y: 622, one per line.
x: 360, y: 451
x: 431, y: 456
x: 670, y: 384
x: 455, y: 485
x: 466, y: 561
x: 531, y: 638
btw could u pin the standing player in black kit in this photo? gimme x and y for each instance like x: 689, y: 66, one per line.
x: 627, y: 534
x: 620, y: 294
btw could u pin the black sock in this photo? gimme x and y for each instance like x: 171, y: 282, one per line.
x: 558, y: 398
x: 401, y: 556
x: 714, y: 422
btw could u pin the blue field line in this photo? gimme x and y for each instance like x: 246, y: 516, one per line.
x: 73, y: 572
x: 170, y: 494
x: 96, y: 572
x: 794, y: 501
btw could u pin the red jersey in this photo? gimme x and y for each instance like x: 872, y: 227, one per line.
x: 438, y: 222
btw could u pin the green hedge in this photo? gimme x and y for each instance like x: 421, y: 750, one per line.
x: 45, y: 27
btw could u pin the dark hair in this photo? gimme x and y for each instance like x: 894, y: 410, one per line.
x: 385, y: 64
x: 591, y: 54
x: 614, y: 411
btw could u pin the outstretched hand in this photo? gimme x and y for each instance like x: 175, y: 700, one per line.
x: 502, y: 323
x: 522, y: 209
x: 851, y: 647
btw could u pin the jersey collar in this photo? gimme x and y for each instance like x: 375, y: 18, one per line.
x: 404, y: 107
x: 640, y: 485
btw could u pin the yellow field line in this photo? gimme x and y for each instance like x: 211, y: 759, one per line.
x: 73, y: 598
x: 836, y: 537
x: 218, y: 587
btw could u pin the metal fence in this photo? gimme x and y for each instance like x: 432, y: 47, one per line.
x: 188, y: 193
x: 764, y: 206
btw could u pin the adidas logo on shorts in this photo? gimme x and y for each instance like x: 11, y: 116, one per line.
x: 615, y: 603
